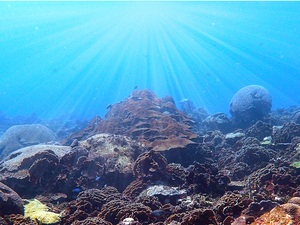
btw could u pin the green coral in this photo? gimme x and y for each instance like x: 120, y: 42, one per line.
x: 265, y: 142
x: 35, y: 210
x: 296, y: 164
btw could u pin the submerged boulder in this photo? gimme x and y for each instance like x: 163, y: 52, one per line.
x: 20, y: 136
x: 249, y: 105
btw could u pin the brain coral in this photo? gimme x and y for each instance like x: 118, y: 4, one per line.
x: 249, y: 104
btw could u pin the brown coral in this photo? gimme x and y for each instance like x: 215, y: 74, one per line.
x: 91, y: 221
x: 154, y: 122
x: 117, y: 210
x: 89, y: 204
x: 134, y: 188
x: 150, y: 164
x: 278, y: 215
x: 18, y: 219
x: 197, y: 216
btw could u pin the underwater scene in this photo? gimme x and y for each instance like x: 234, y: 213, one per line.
x: 150, y: 112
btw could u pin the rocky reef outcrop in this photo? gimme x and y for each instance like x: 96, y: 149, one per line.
x: 155, y: 123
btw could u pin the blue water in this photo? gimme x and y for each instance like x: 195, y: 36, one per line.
x: 76, y: 58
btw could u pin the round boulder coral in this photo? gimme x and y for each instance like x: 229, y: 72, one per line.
x: 250, y: 104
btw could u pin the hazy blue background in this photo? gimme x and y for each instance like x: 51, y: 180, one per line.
x: 77, y: 57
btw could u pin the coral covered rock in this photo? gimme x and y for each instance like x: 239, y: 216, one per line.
x: 285, y: 133
x: 259, y: 130
x: 152, y: 165
x: 218, y: 121
x: 26, y: 167
x: 116, y: 152
x: 88, y: 204
x: 103, y: 159
x: 10, y: 201
x: 117, y: 210
x: 203, y: 178
x: 154, y: 122
x: 253, y: 155
x: 197, y: 216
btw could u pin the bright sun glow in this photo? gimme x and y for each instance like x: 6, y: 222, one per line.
x: 80, y: 57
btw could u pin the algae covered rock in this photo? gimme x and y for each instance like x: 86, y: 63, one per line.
x: 20, y: 136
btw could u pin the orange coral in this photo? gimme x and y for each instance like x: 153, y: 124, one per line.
x: 288, y: 213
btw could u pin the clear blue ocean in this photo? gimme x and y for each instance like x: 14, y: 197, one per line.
x: 75, y: 58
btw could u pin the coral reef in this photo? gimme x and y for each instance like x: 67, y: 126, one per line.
x: 149, y: 163
x: 197, y: 216
x: 135, y: 188
x: 117, y: 210
x: 89, y: 204
x: 91, y: 220
x: 155, y: 123
x: 218, y: 121
x: 18, y: 219
x: 203, y: 178
x: 259, y: 130
x: 286, y: 133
